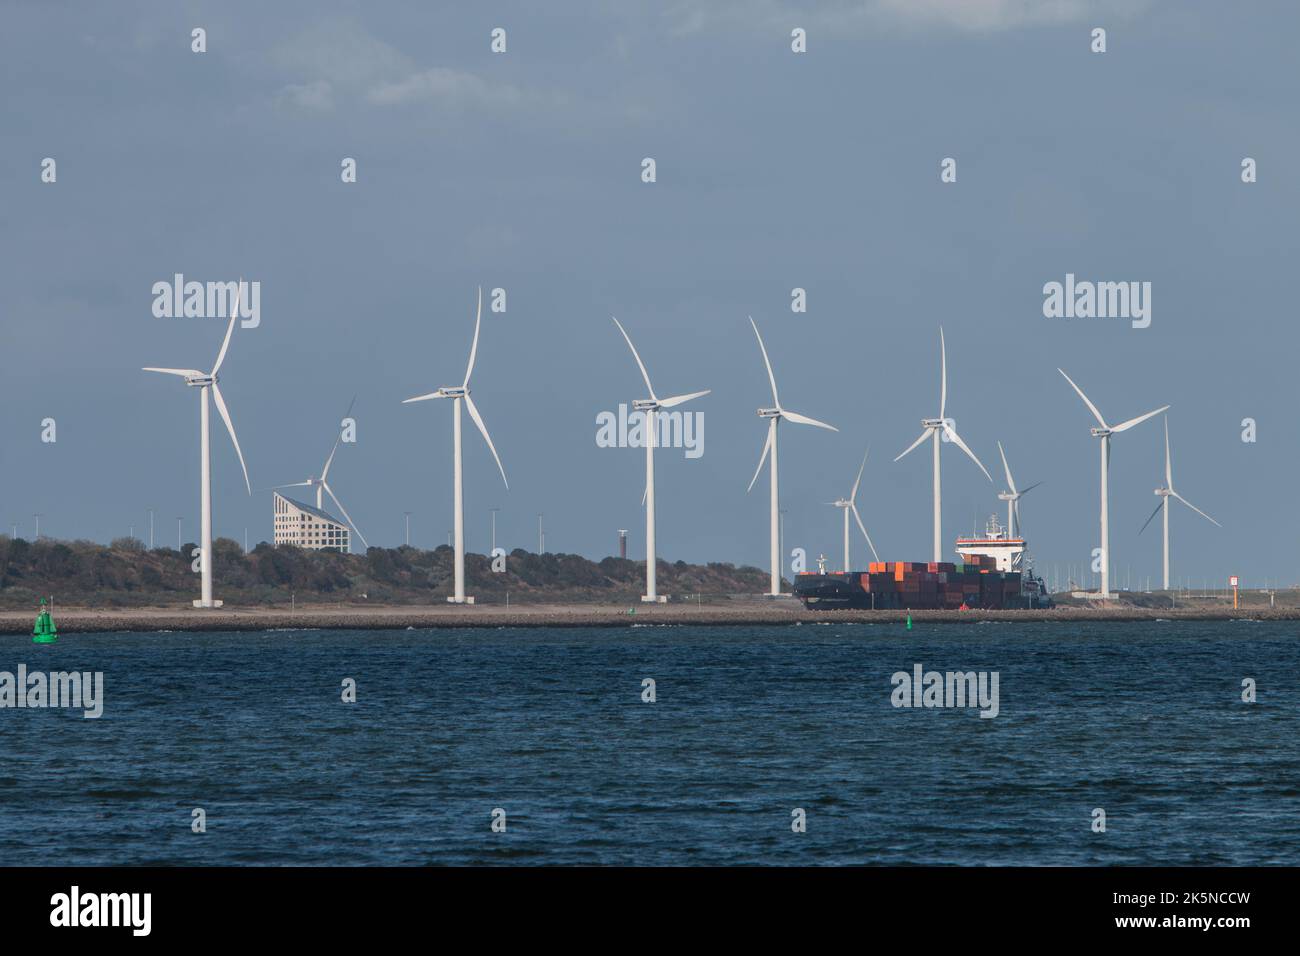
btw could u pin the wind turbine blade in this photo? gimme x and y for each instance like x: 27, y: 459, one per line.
x: 182, y: 372
x: 943, y: 374
x: 767, y: 446
x: 763, y: 348
x: 344, y: 512
x: 681, y: 399
x: 863, y: 528
x: 1194, y: 508
x: 1021, y: 494
x: 473, y: 349
x: 925, y: 433
x: 641, y: 365
x: 956, y: 440
x: 1011, y: 482
x: 1153, y: 514
x: 1139, y: 420
x: 230, y: 328
x: 230, y: 427
x: 645, y: 493
x: 478, y: 420
x: 805, y: 420
x: 1015, y: 510
x: 1169, y: 468
x: 1086, y: 400
x: 423, y: 398
x: 853, y: 495
x: 296, y: 484
x: 330, y: 460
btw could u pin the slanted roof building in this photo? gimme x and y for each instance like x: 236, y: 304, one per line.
x: 305, y: 526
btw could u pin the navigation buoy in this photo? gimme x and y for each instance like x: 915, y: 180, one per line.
x: 44, y: 632
x: 909, y: 620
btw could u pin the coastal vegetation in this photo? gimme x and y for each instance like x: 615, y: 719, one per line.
x: 126, y: 574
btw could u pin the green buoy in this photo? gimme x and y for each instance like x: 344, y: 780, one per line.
x: 909, y: 620
x: 44, y: 632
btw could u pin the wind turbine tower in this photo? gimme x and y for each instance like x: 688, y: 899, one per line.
x: 848, y: 505
x: 1012, y: 497
x: 1165, y: 493
x: 1103, y: 432
x: 206, y: 383
x: 649, y: 407
x: 774, y: 415
x: 461, y: 394
x: 937, y: 430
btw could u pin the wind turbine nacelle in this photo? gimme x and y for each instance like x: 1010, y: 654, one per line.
x: 456, y: 391
x: 1162, y: 492
x: 769, y: 413
x: 645, y: 404
x: 201, y: 380
x: 1099, y: 432
x: 932, y: 422
x: 1006, y: 496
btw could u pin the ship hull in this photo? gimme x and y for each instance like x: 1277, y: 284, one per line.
x: 916, y: 586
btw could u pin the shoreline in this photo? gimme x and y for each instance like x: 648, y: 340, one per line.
x: 74, y: 620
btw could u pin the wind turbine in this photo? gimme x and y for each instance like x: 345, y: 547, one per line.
x: 1104, y: 433
x: 649, y: 407
x: 935, y: 429
x: 205, y: 383
x: 1165, y: 494
x: 774, y: 416
x: 322, y: 486
x: 849, y: 504
x: 1012, y: 497
x: 458, y: 394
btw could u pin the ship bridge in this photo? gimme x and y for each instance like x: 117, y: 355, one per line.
x: 995, y: 543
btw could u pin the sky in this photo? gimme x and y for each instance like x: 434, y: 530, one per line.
x: 775, y: 170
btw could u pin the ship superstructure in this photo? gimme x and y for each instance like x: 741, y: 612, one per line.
x: 996, y: 543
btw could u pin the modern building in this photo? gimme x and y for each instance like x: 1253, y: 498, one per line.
x: 305, y: 526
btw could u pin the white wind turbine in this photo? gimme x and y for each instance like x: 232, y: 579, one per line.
x: 205, y: 383
x: 1012, y: 497
x: 935, y: 429
x: 1104, y: 433
x: 774, y: 416
x: 849, y: 504
x: 1165, y: 494
x: 322, y: 486
x: 649, y: 408
x: 458, y: 394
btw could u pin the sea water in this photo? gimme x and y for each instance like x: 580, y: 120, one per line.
x: 550, y: 734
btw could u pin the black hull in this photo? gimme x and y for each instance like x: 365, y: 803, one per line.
x: 846, y: 592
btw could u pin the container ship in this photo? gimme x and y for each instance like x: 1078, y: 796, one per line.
x: 989, y: 577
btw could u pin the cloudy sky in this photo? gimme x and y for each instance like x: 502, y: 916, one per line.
x: 775, y: 170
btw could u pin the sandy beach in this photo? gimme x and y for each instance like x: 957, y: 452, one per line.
x: 72, y: 620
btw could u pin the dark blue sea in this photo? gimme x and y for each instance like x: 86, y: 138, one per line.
x: 1143, y: 720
